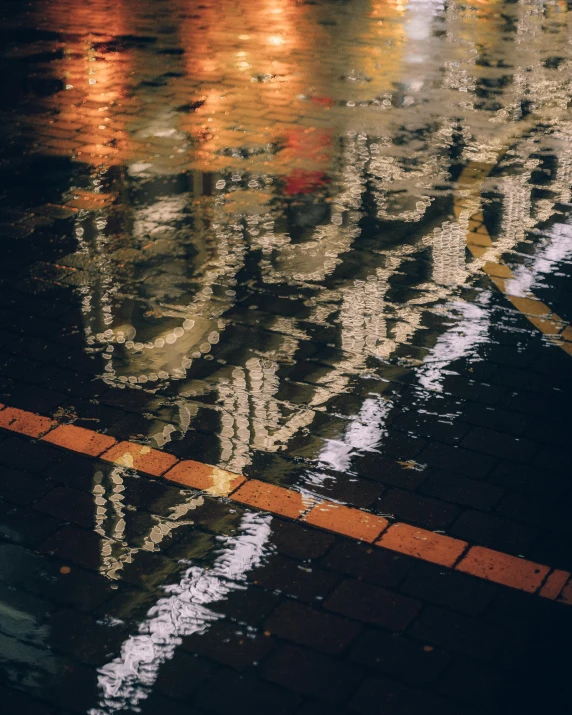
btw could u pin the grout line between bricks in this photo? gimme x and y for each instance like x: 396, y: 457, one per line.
x: 479, y: 561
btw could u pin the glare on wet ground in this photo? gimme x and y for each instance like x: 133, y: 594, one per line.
x: 288, y: 239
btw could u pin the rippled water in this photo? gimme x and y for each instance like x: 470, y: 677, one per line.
x: 270, y: 204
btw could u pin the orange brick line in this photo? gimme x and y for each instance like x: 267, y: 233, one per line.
x: 348, y: 521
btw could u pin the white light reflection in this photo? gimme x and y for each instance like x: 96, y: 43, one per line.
x: 127, y: 679
x: 460, y: 341
x: 554, y: 249
x: 363, y: 434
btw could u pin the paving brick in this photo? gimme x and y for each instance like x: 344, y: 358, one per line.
x: 360, y: 493
x: 545, y: 405
x: 365, y: 602
x: 74, y: 383
x: 79, y: 439
x: 79, y: 546
x: 387, y: 471
x: 181, y: 676
x: 503, y: 568
x: 534, y: 683
x: 76, y: 471
x: 402, y: 445
x: 76, y: 688
x: 319, y: 676
x: 79, y: 636
x: 148, y: 570
x: 298, y: 541
x: 566, y: 593
x: 422, y: 544
x: 553, y: 549
x: 292, y: 578
x: 551, y: 431
x: 24, y: 616
x: 459, y: 386
x: 448, y: 588
x: 325, y: 632
x: 412, y: 508
x: 15, y: 701
x: 457, y: 460
x: 30, y: 371
x: 227, y: 692
x: 70, y: 505
x: 460, y: 490
x: 393, y: 698
x: 22, y: 525
x: 399, y: 657
x: 554, y: 584
x: 22, y: 487
x: 459, y: 633
x: 139, y: 457
x: 497, y: 418
x: 204, y: 477
x: 494, y: 532
x: 530, y: 479
x: 252, y: 606
x: 228, y: 645
x: 546, y: 513
x: 498, y: 444
x: 427, y: 426
x: 378, y: 566
x: 311, y: 707
x: 24, y: 422
x: 158, y: 702
x: 16, y: 452
x: 551, y: 459
x: 517, y: 378
x: 35, y: 398
x: 347, y: 521
x: 215, y: 516
x: 90, y: 414
x: 471, y: 681
x: 269, y: 497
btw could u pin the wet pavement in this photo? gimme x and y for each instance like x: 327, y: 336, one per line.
x: 324, y: 245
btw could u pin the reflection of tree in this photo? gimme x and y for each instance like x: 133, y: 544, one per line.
x: 156, y: 291
x: 111, y: 522
x: 151, y: 323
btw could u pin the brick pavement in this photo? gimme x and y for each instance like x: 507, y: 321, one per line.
x: 325, y: 623
x: 358, y: 524
x: 258, y: 178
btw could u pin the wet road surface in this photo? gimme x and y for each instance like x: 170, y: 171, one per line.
x: 324, y: 245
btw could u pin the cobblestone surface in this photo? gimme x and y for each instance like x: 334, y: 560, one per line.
x: 326, y: 246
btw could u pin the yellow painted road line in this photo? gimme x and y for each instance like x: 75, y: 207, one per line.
x: 479, y: 242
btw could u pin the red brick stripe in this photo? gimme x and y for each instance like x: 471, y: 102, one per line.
x: 25, y: 422
x: 261, y: 495
x: 422, y: 544
x: 503, y: 568
x: 140, y: 457
x: 79, y: 439
x: 554, y: 584
x: 348, y: 521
